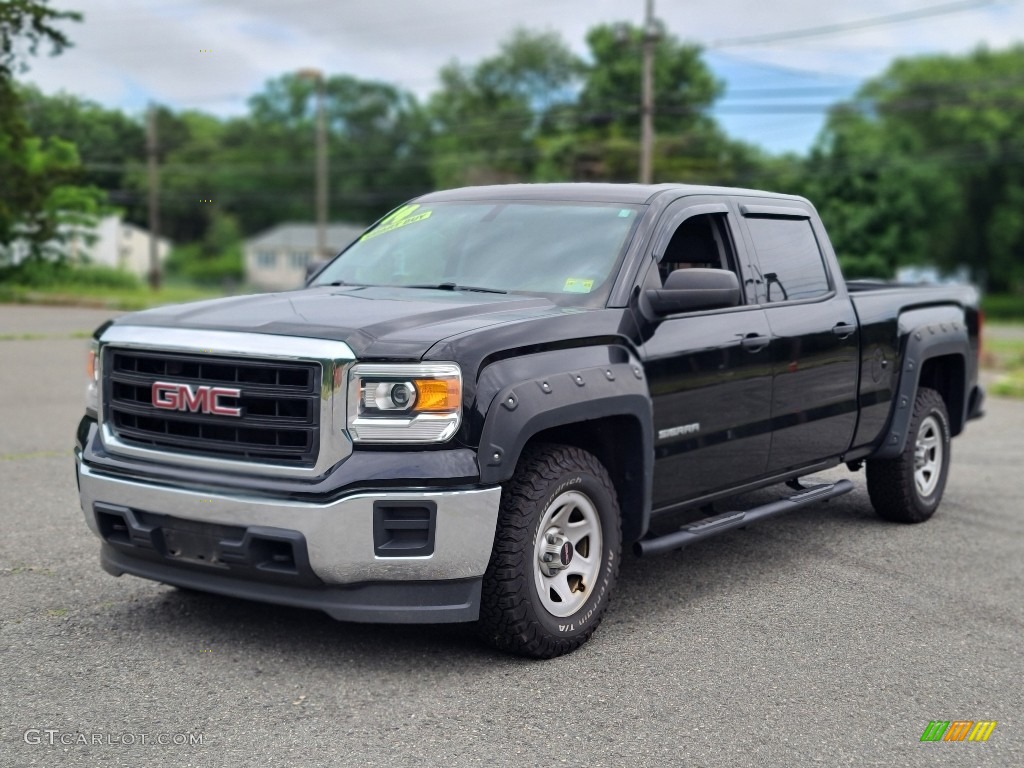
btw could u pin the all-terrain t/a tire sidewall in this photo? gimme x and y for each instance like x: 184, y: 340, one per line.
x: 581, y: 622
x: 931, y: 404
x: 891, y: 481
x: 513, y: 615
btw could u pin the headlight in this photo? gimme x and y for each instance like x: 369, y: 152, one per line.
x: 92, y: 373
x: 404, y: 403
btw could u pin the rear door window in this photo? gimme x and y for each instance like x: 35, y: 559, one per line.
x: 791, y: 264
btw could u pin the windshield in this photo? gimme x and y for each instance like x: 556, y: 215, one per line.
x: 567, y: 250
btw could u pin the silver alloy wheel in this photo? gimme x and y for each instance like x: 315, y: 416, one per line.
x: 928, y: 456
x: 567, y: 553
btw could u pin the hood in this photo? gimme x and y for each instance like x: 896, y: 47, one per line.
x: 376, y: 322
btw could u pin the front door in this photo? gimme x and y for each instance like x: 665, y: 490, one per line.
x: 709, y: 372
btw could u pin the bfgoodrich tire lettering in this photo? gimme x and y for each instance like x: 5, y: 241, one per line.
x: 908, y: 488
x: 558, y: 495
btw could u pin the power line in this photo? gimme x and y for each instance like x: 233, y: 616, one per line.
x: 772, y: 38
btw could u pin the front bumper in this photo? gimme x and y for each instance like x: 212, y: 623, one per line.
x: 334, y: 556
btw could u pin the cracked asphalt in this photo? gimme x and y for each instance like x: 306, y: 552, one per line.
x: 826, y: 637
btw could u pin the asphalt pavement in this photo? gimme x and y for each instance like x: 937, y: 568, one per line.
x: 826, y: 637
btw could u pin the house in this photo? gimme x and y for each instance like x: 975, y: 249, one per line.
x: 112, y: 242
x: 118, y: 244
x: 277, y: 259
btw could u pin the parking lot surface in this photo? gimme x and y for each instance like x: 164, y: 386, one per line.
x: 826, y: 637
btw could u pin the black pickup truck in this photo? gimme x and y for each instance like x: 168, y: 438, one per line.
x: 465, y: 414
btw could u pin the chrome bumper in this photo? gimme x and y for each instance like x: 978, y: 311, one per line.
x: 339, y: 534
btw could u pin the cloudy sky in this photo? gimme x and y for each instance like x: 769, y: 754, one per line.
x: 212, y: 54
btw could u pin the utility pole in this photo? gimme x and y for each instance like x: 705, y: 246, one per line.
x: 154, y: 199
x: 647, y: 97
x: 321, y: 162
x: 321, y: 172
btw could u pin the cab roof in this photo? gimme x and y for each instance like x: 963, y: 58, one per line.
x: 586, y: 192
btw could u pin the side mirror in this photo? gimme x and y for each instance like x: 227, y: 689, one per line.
x: 314, y: 268
x: 689, y: 290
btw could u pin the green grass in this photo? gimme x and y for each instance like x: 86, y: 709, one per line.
x: 1010, y: 384
x: 1004, y: 354
x: 125, y: 298
x: 43, y: 336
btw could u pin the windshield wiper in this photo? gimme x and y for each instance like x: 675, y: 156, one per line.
x: 456, y: 287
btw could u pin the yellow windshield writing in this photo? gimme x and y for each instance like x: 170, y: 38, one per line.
x: 400, y: 218
x: 577, y: 285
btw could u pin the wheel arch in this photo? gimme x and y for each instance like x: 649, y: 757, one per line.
x: 605, y: 410
x: 935, y: 356
x: 946, y: 374
x: 617, y: 442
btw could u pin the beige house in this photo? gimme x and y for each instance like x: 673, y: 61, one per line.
x: 277, y: 259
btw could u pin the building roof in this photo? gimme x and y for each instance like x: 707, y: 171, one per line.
x: 301, y: 235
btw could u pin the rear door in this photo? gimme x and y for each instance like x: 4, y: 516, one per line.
x: 709, y: 372
x: 815, y: 340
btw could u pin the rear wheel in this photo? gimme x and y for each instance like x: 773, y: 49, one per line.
x: 908, y: 488
x: 556, y: 554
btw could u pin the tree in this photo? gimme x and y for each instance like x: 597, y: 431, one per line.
x: 107, y: 140
x: 29, y: 22
x: 41, y: 198
x: 924, y: 166
x: 604, y: 142
x: 376, y: 144
x: 488, y: 120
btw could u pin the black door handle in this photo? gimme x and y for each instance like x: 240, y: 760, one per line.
x: 754, y: 342
x: 844, y: 330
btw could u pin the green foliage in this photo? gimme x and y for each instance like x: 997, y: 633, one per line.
x: 684, y: 87
x: 214, y: 260
x: 107, y: 138
x: 605, y: 123
x: 42, y: 199
x: 488, y: 120
x: 1005, y: 307
x: 923, y: 166
x: 30, y: 22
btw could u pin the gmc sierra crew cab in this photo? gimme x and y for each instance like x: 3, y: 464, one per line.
x: 466, y: 414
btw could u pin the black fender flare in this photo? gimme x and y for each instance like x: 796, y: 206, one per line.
x: 937, y: 338
x: 521, y: 410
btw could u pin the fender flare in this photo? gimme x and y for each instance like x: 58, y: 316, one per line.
x: 925, y: 342
x: 526, y: 408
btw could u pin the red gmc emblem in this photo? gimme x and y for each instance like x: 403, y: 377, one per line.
x: 202, y: 399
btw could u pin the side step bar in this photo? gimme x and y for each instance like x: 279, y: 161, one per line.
x: 711, y: 526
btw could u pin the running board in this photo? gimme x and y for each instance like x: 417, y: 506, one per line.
x: 712, y: 526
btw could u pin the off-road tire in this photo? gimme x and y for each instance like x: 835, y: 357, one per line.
x: 513, y: 616
x: 894, y: 491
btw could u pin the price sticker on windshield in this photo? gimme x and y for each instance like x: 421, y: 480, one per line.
x: 400, y: 218
x: 577, y: 285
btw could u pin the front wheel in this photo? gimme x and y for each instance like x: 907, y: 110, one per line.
x: 908, y: 488
x: 556, y: 554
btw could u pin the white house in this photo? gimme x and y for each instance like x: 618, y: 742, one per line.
x: 277, y: 259
x: 118, y: 244
x: 115, y: 243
